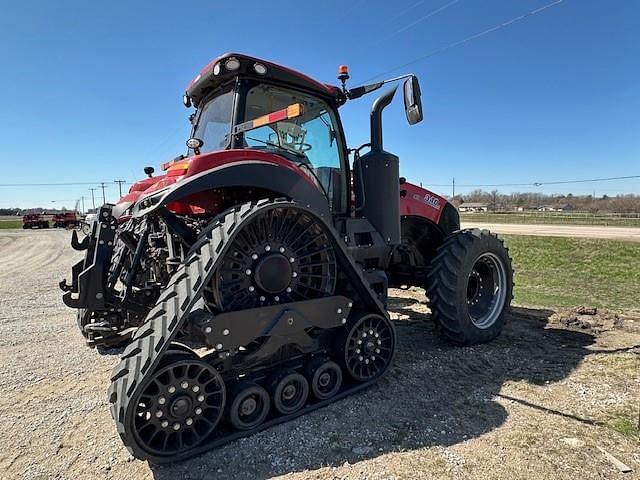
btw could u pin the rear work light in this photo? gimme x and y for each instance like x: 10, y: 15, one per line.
x: 292, y: 111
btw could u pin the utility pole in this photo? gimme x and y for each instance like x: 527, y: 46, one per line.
x: 453, y: 188
x: 93, y: 200
x: 119, y: 182
x: 103, y: 197
x: 82, y: 202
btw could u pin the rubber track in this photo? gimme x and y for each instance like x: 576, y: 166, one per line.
x: 445, y: 266
x: 174, y: 304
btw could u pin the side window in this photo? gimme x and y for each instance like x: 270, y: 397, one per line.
x: 312, y: 138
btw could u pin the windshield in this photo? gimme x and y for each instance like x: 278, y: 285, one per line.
x: 214, y: 123
x: 312, y: 136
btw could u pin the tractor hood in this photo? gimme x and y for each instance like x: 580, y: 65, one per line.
x: 241, y: 168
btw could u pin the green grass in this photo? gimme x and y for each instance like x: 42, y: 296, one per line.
x: 10, y: 224
x: 626, y: 424
x: 551, y: 219
x: 567, y: 272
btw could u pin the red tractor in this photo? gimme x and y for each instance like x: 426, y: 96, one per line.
x: 249, y: 281
x: 65, y: 220
x: 34, y: 220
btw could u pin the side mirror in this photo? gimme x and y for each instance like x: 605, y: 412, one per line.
x: 412, y: 100
x: 149, y: 171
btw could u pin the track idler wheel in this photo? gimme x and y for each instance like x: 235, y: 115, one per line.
x: 325, y: 378
x: 290, y: 391
x: 369, y: 347
x: 250, y: 406
x: 179, y: 407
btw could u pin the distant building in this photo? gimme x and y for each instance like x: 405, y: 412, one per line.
x: 473, y: 207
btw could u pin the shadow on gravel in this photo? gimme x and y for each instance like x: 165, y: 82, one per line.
x: 434, y: 395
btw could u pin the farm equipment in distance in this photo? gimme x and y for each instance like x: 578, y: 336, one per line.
x: 34, y: 220
x: 249, y: 281
x: 66, y: 220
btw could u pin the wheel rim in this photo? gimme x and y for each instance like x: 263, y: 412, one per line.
x: 180, y: 407
x: 291, y: 393
x: 326, y: 380
x: 369, y: 347
x: 281, y: 256
x: 250, y: 407
x: 486, y: 290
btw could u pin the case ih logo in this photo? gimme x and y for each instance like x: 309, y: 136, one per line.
x: 430, y: 200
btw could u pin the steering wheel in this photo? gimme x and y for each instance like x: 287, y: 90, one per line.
x: 302, y: 147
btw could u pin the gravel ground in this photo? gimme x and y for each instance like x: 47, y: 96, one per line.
x: 536, y: 403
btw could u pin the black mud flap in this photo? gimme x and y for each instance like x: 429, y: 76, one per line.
x: 88, y: 284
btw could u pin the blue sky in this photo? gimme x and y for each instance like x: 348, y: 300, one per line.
x: 91, y: 91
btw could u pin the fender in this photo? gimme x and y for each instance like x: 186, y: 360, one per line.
x: 289, y: 182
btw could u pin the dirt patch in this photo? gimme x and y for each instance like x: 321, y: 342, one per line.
x: 595, y: 320
x: 536, y: 403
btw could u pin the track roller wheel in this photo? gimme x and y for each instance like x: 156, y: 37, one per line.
x: 290, y: 391
x: 369, y: 347
x: 179, y: 407
x: 250, y: 406
x: 325, y: 378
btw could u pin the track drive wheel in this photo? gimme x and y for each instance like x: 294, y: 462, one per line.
x: 179, y: 407
x: 470, y: 286
x: 369, y: 347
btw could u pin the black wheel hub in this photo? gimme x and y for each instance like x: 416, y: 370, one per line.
x: 486, y: 290
x: 281, y: 256
x: 369, y: 347
x: 179, y: 407
x: 248, y: 406
x: 273, y: 273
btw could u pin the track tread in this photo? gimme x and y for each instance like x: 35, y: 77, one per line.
x: 177, y: 300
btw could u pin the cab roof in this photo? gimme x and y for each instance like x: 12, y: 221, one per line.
x: 216, y: 73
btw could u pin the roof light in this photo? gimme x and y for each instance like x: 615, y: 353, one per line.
x: 259, y: 68
x: 232, y: 64
x: 194, y: 143
x: 216, y: 69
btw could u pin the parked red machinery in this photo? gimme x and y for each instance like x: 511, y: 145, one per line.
x: 35, y: 220
x: 248, y: 286
x: 66, y: 220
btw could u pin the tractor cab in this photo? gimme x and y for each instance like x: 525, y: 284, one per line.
x: 247, y: 103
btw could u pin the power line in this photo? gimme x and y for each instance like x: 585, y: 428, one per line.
x: 467, y: 39
x: 68, y: 184
x: 422, y: 19
x: 536, y: 184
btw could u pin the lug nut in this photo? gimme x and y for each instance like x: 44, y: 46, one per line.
x: 248, y: 271
x: 171, y: 389
x: 377, y: 350
x: 361, y: 358
x: 376, y: 335
x: 189, y: 421
x: 262, y: 299
x: 350, y: 304
x: 164, y: 424
x: 225, y: 332
x: 359, y: 342
x: 373, y: 357
x: 276, y: 298
x: 176, y: 426
x: 254, y: 256
x: 288, y: 289
x: 344, y: 320
x: 291, y: 259
x: 196, y: 388
x: 379, y: 342
x: 162, y: 400
x: 184, y: 384
x: 281, y: 249
x: 159, y: 414
x: 364, y: 334
x: 267, y: 248
x: 252, y: 288
x: 370, y: 332
x: 357, y: 350
x: 366, y: 361
x: 201, y: 398
x: 198, y: 411
x: 219, y: 346
x: 339, y: 310
x: 294, y: 274
x: 207, y: 330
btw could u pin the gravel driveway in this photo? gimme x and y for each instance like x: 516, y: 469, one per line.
x: 536, y: 403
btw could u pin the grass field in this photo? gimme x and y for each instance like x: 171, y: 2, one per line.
x: 551, y: 219
x: 10, y: 223
x: 566, y: 272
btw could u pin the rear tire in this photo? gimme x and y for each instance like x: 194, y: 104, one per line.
x: 470, y: 286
